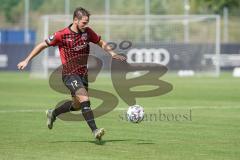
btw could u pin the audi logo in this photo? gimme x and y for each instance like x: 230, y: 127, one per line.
x: 159, y: 56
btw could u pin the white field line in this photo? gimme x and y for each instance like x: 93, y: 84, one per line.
x: 186, y: 107
x: 123, y: 109
x: 22, y: 111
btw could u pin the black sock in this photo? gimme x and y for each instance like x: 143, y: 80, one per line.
x: 88, y: 115
x: 65, y: 107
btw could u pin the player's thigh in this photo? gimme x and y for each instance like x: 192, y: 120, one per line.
x: 73, y: 83
x: 76, y: 84
x: 82, y: 95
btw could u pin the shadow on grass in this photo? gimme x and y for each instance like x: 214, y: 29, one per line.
x: 103, y: 142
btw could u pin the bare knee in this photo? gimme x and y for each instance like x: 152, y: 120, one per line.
x: 76, y: 105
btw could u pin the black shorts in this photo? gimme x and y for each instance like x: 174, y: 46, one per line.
x: 74, y: 82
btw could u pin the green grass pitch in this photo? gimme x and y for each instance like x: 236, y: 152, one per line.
x: 207, y: 127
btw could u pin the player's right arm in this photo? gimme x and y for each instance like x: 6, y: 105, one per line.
x: 52, y: 40
x: 41, y: 46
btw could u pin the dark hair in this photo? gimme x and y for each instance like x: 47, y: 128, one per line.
x: 80, y: 12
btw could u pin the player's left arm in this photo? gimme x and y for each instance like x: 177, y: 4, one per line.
x: 109, y: 50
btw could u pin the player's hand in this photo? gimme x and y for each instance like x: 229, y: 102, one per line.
x: 119, y: 57
x: 22, y: 65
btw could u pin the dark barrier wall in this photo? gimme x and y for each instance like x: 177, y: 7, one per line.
x: 233, y: 48
x: 193, y: 56
x: 180, y: 54
x: 11, y: 54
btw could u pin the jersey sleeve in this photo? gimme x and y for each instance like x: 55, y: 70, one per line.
x: 93, y: 37
x: 54, y: 39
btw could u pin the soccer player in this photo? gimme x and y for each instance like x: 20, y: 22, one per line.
x: 73, y: 43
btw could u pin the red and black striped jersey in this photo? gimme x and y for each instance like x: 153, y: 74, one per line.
x: 74, y: 48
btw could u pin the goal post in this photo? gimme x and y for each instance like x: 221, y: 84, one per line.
x: 155, y: 39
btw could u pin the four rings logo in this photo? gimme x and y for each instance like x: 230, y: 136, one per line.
x: 159, y: 56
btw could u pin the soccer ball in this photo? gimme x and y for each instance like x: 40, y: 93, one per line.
x: 135, y: 113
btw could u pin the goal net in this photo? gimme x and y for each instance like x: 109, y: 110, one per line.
x: 184, y: 44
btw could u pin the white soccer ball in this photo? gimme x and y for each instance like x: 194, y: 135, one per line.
x: 135, y: 113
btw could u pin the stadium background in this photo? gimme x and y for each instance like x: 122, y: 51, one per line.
x: 211, y: 104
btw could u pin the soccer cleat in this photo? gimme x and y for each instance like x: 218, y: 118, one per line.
x: 50, y: 118
x: 98, y: 133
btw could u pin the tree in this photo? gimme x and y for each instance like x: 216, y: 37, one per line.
x: 215, y: 6
x: 7, y: 6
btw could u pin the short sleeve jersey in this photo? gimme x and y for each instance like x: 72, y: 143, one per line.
x: 74, y: 48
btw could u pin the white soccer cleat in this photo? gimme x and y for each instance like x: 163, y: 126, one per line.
x: 50, y: 118
x: 98, y: 133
